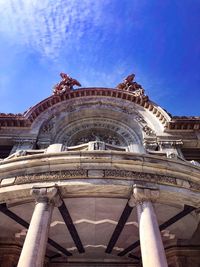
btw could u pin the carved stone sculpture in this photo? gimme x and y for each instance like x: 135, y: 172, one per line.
x: 148, y: 130
x: 65, y: 85
x: 94, y: 136
x: 128, y: 84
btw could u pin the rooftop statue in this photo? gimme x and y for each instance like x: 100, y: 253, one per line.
x: 129, y: 85
x: 65, y: 85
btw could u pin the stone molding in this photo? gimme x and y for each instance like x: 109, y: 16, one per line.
x: 104, y: 174
x: 184, y: 123
x: 119, y: 129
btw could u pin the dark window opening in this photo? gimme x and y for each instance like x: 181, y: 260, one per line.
x: 191, y: 154
x: 5, y: 151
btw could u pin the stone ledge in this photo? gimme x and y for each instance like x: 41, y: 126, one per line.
x: 105, y: 165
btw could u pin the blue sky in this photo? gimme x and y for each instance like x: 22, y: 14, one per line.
x: 99, y: 43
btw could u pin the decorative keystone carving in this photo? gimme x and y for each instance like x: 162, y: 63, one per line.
x: 47, y: 194
x: 141, y: 194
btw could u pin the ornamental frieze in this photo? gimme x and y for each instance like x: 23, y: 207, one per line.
x: 149, y: 177
x: 106, y: 174
x: 53, y: 176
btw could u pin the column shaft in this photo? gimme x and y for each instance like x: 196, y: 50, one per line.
x: 34, y: 248
x: 153, y: 254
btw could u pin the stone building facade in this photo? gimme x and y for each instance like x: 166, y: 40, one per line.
x: 99, y: 177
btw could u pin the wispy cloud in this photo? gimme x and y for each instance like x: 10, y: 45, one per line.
x: 47, y: 25
x: 92, y: 77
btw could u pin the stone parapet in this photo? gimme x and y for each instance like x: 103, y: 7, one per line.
x: 87, y: 173
x: 99, y: 165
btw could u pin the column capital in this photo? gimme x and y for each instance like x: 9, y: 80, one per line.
x: 142, y: 193
x: 47, y: 194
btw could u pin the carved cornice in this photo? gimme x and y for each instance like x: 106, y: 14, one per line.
x: 183, y: 123
x: 14, y: 121
x: 25, y: 120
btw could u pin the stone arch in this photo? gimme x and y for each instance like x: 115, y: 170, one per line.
x: 34, y: 114
x: 62, y: 118
x: 118, y: 133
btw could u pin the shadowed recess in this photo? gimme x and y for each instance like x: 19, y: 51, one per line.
x: 187, y: 209
x: 16, y: 218
x: 119, y: 227
x: 70, y: 225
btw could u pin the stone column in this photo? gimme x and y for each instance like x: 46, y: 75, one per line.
x: 34, y: 248
x: 152, y: 249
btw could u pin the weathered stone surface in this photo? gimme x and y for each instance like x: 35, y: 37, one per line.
x: 109, y: 140
x: 7, y: 181
x: 100, y: 164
